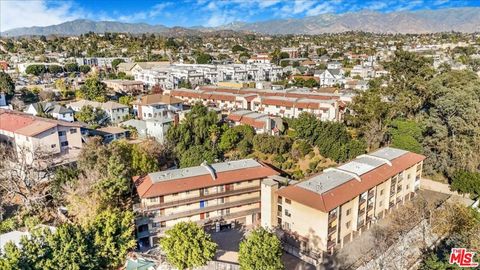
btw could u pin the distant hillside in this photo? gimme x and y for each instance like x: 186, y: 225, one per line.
x: 425, y: 21
x: 77, y: 27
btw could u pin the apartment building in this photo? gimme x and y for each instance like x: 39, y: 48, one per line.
x: 325, y: 212
x: 283, y: 103
x: 29, y: 134
x: 213, y: 195
x: 125, y: 86
x: 116, y: 112
x: 170, y: 77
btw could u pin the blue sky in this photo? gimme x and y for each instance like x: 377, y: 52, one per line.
x: 21, y: 13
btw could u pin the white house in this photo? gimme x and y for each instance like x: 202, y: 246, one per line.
x: 153, y: 128
x: 157, y: 106
x: 116, y: 112
x: 329, y: 77
x: 53, y: 109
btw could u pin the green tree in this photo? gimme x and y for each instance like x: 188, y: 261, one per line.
x: 229, y: 139
x: 466, y: 182
x: 451, y: 123
x: 94, y: 89
x: 196, y: 154
x: 116, y: 62
x: 55, y: 69
x: 112, y: 232
x: 187, y: 245
x: 406, y: 134
x: 36, y: 69
x: 91, y: 116
x: 238, y: 48
x: 126, y: 100
x: 84, y: 69
x: 260, y: 250
x: 204, y: 58
x: 71, y: 67
x: 6, y: 84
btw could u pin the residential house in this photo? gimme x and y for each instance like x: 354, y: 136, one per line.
x: 109, y: 134
x: 52, y: 109
x: 151, y: 128
x: 261, y: 123
x: 215, y: 195
x: 28, y: 134
x: 157, y: 106
x: 329, y: 77
x: 116, y: 112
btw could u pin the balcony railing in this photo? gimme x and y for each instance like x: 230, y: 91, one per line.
x: 330, y: 244
x: 369, y: 206
x: 139, y: 207
x: 371, y: 194
x: 362, y: 200
x: 206, y: 209
x: 331, y: 230
x: 332, y: 217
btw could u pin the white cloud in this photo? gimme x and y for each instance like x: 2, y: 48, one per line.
x: 143, y: 15
x: 377, y: 5
x: 320, y: 9
x: 15, y: 14
x: 302, y: 5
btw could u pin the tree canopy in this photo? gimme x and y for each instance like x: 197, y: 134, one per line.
x: 187, y: 245
x: 260, y: 250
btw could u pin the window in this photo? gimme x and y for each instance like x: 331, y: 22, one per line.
x: 380, y: 203
x: 221, y: 200
x: 62, y: 133
x: 153, y: 200
x: 64, y: 143
x: 347, y: 225
x: 174, y: 194
x: 279, y: 200
x: 381, y: 192
x: 286, y: 226
x: 348, y: 212
x: 287, y: 213
x: 73, y: 130
x: 53, y: 145
x: 187, y: 192
x: 288, y: 201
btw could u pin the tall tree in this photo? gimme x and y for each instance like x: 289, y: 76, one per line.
x: 6, y: 84
x: 187, y: 245
x: 260, y: 250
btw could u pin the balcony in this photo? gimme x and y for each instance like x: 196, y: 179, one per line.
x: 139, y: 207
x: 362, y: 200
x: 332, y: 217
x: 331, y: 230
x: 371, y: 194
x: 206, y: 209
x: 330, y: 244
x: 369, y: 206
x: 360, y: 224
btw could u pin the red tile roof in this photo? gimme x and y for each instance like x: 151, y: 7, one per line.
x: 147, y: 189
x: 343, y: 193
x: 26, y: 124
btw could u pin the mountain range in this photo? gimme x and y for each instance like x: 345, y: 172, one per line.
x: 423, y: 21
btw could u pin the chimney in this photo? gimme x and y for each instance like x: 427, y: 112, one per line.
x: 209, y: 169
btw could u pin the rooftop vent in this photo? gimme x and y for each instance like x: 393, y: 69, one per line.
x: 209, y: 169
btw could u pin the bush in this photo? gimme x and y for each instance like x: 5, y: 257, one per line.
x: 272, y: 144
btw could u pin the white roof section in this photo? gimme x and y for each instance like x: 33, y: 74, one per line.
x: 333, y: 177
x: 203, y: 170
x: 388, y: 153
